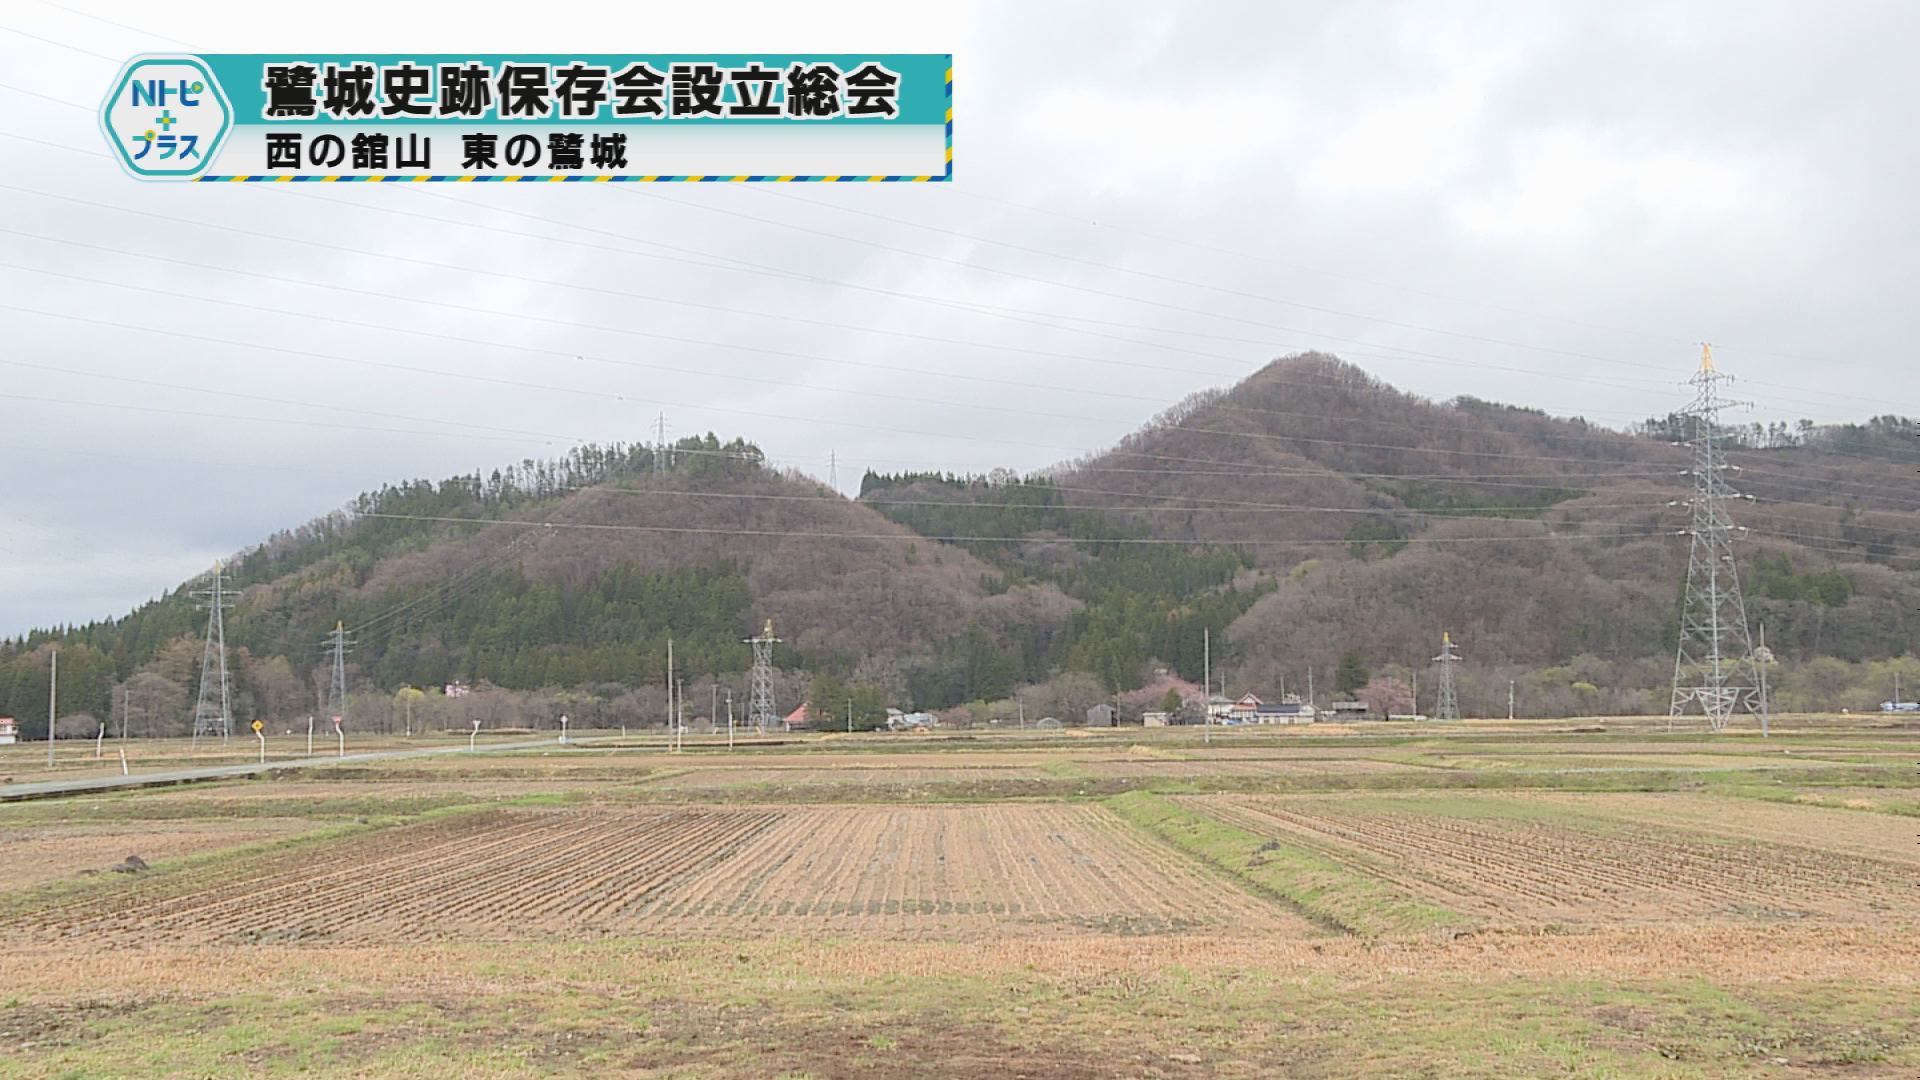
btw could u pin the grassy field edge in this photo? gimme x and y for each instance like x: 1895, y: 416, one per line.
x: 1332, y: 895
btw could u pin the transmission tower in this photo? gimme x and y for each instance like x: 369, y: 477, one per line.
x: 760, y: 696
x: 1448, y: 707
x: 1714, y: 665
x: 213, y: 713
x: 337, y: 645
x: 660, y: 444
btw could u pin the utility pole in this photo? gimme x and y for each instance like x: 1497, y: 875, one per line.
x: 669, y: 693
x: 1714, y: 664
x: 1416, y: 693
x: 53, y: 698
x: 849, y: 714
x: 1509, y: 699
x: 213, y: 712
x: 1206, y: 661
x: 729, y: 718
x: 760, y: 695
x: 1448, y: 707
x: 1310, y: 701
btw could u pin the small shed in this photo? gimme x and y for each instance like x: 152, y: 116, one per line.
x: 9, y: 733
x: 1101, y: 716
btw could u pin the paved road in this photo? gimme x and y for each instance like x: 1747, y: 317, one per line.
x: 45, y: 789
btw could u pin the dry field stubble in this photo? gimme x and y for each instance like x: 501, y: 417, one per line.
x: 985, y: 938
x: 866, y: 775
x: 38, y: 854
x: 1517, y: 860
x: 936, y: 871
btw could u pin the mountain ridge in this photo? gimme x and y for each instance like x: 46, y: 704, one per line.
x: 1308, y: 512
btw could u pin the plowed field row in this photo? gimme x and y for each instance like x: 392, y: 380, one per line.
x: 495, y: 874
x: 1228, y: 767
x: 961, y: 869
x: 1837, y: 829
x: 929, y: 871
x: 1566, y: 871
x: 895, y: 777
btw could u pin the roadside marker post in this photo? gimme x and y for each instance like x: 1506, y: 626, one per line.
x: 474, y: 735
x: 341, y: 732
x: 259, y: 732
x: 97, y: 741
x: 309, y: 736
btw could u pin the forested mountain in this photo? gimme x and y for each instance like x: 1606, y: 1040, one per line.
x: 1366, y: 521
x: 1308, y: 515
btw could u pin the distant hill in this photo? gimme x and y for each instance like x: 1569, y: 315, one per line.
x: 1371, y: 520
x: 1306, y: 515
x: 614, y: 557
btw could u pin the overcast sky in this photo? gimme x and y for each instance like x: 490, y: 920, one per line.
x: 1546, y: 204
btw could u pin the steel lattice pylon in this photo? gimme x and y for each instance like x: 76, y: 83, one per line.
x: 1448, y: 707
x: 1714, y: 664
x: 760, y: 713
x: 337, y: 645
x: 213, y: 712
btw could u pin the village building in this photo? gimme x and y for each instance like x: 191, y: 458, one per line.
x: 1250, y: 709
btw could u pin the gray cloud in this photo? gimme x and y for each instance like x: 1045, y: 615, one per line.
x: 1526, y: 173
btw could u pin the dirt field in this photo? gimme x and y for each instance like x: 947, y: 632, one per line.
x: 1238, y: 767
x: 35, y: 855
x: 940, y: 872
x: 865, y: 774
x: 1487, y: 900
x: 1598, y: 862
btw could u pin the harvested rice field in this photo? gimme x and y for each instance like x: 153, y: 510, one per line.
x: 935, y: 872
x: 35, y: 855
x: 1515, y: 859
x: 1289, y: 902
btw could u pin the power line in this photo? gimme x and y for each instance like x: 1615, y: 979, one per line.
x: 1068, y: 285
x: 1186, y: 369
x: 1230, y: 506
x: 112, y: 22
x: 1619, y: 442
x: 1665, y: 337
x: 911, y: 537
x: 1131, y: 299
x: 441, y: 373
x: 1611, y: 437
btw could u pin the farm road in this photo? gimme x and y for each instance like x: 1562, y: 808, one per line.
x: 45, y: 789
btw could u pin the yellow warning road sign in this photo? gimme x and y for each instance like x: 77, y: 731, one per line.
x: 257, y: 725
